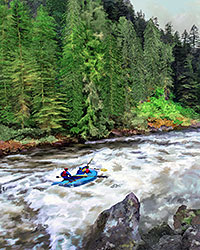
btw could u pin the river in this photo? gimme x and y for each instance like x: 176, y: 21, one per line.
x: 161, y: 169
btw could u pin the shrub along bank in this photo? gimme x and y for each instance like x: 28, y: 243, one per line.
x: 155, y: 114
x: 160, y: 112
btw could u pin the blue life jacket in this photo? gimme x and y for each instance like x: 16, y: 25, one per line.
x: 79, y: 171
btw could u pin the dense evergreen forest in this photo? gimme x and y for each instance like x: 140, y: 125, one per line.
x: 83, y: 67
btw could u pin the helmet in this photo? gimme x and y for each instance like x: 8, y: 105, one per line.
x: 65, y: 168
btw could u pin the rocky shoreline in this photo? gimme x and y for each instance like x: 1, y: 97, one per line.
x: 12, y: 147
x: 118, y: 228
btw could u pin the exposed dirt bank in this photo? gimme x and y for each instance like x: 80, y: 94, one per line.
x: 10, y: 147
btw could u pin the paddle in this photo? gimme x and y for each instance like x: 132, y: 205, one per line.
x: 102, y: 176
x: 89, y: 162
x: 99, y: 176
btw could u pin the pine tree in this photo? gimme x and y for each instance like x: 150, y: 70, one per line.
x: 71, y: 63
x: 56, y: 9
x: 132, y: 61
x: 167, y: 36
x: 188, y: 91
x: 157, y: 60
x: 113, y: 92
x: 194, y: 37
x: 20, y: 69
x: 6, y: 59
x: 47, y: 106
x: 152, y: 45
x: 117, y: 8
x: 165, y: 66
x: 93, y: 121
x: 181, y: 51
x: 140, y: 25
x: 186, y: 41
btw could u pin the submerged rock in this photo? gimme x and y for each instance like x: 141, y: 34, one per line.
x: 116, y: 228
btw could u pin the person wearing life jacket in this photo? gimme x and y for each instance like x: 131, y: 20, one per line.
x: 86, y: 170
x: 65, y: 174
x: 80, y: 171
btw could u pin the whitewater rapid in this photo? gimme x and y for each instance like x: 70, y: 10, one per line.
x: 161, y: 169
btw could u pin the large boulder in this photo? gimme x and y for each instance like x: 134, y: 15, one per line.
x: 169, y: 242
x: 191, y: 238
x: 116, y: 228
x: 185, y: 236
x: 153, y: 236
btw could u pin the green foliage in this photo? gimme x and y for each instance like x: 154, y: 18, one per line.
x: 28, y: 132
x: 48, y: 139
x: 7, y: 46
x: 47, y: 105
x: 93, y: 120
x: 7, y: 116
x: 188, y: 90
x: 106, y: 68
x: 134, y: 119
x: 71, y: 63
x: 43, y: 140
x: 20, y: 67
x: 112, y: 84
x: 189, y: 218
x: 157, y: 60
x: 7, y: 133
x: 50, y: 116
x: 131, y: 62
x: 56, y: 10
x: 158, y: 107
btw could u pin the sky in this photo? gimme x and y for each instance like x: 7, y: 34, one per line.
x: 181, y: 13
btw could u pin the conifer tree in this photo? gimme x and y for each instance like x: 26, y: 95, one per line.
x: 140, y: 24
x: 188, y: 89
x: 178, y: 65
x: 117, y: 8
x: 132, y: 61
x: 20, y: 69
x: 157, y: 60
x: 47, y: 106
x: 6, y: 48
x: 194, y: 37
x: 152, y: 45
x: 167, y: 35
x: 185, y: 37
x: 93, y: 121
x: 114, y: 87
x: 56, y: 9
x: 71, y: 63
x: 186, y: 42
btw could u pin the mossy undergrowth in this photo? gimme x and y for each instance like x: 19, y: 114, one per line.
x: 159, y: 110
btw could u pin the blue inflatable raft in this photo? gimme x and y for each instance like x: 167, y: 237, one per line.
x: 78, y: 180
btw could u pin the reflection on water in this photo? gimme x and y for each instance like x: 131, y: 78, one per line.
x: 161, y: 169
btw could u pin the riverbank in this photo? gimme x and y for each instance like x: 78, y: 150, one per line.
x: 12, y: 146
x: 154, y: 126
